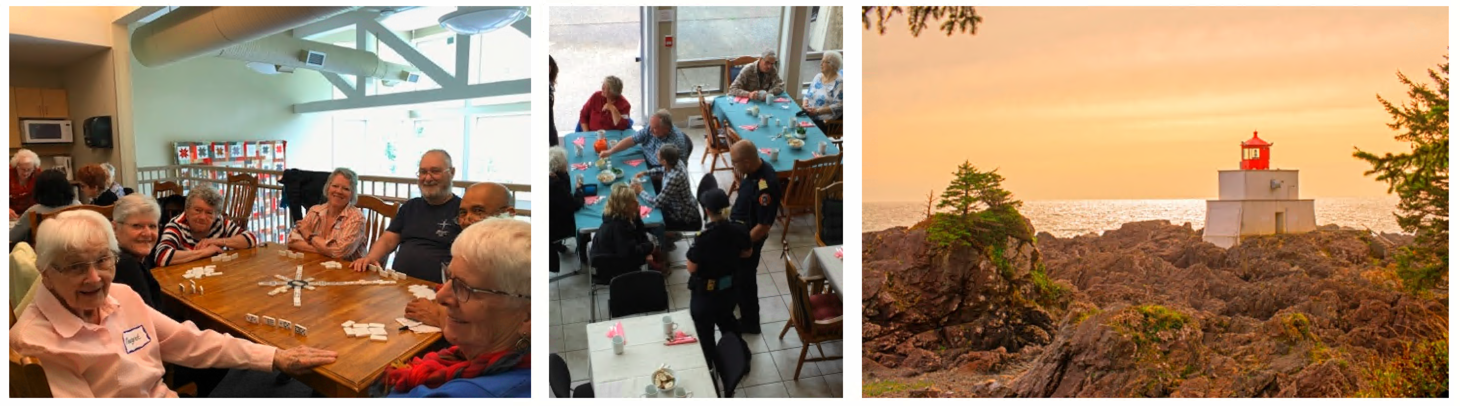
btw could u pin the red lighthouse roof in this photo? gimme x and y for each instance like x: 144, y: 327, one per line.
x: 1255, y: 142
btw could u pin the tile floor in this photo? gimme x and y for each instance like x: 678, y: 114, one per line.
x: 773, y: 361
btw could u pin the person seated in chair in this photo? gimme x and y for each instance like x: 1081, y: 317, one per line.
x: 98, y: 339
x: 675, y: 199
x: 481, y: 201
x: 200, y: 231
x: 755, y: 81
x: 335, y: 228
x: 95, y: 185
x: 622, y: 243
x: 565, y: 197
x: 607, y: 109
x: 659, y: 132
x: 52, y: 192
x: 823, y: 100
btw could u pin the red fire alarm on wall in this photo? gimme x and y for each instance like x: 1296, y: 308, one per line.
x: 668, y: 41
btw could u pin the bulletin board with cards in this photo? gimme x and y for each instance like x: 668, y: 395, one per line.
x: 264, y: 155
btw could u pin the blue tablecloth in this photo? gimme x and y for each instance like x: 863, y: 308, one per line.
x: 590, y: 217
x: 735, y: 115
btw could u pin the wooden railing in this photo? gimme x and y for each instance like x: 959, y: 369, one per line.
x: 270, y: 220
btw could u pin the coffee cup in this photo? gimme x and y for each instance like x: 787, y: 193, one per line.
x: 669, y: 327
x: 679, y: 392
x: 775, y: 153
x: 618, y: 345
x: 650, y: 391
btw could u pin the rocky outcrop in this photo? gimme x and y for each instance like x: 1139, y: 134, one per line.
x: 927, y: 309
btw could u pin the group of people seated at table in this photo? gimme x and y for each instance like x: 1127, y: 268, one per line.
x: 822, y: 101
x: 34, y: 191
x: 483, y: 302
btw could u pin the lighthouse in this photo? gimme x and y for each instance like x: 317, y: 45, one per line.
x: 1256, y: 200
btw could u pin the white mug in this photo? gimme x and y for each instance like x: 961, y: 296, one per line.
x: 821, y: 149
x: 669, y: 327
x: 679, y: 392
x: 618, y: 345
x: 650, y: 391
x: 775, y: 153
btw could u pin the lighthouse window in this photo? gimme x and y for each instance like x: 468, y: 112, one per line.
x: 1250, y: 153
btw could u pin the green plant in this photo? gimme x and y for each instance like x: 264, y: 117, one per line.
x: 1420, y: 370
x: 879, y: 388
x: 1049, y: 292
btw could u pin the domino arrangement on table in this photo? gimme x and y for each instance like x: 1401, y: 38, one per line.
x: 291, y: 254
x: 387, y: 273
x: 225, y: 257
x: 422, y: 292
x: 376, y: 331
x: 202, y: 271
x: 297, y: 329
x: 300, y: 283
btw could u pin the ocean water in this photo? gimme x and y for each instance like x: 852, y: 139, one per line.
x: 1067, y: 218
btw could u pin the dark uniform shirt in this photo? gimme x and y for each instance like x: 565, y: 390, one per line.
x: 716, y: 251
x: 759, y: 198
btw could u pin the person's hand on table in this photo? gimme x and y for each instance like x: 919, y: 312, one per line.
x: 605, y: 154
x: 425, y: 311
x: 638, y: 187
x: 363, y: 264
x: 300, y: 359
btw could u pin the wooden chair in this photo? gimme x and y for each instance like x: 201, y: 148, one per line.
x: 717, y: 141
x: 238, y: 197
x: 807, y: 303
x: 832, y: 191
x: 27, y: 379
x: 732, y: 69
x: 165, y: 189
x: 378, y: 214
x: 834, y: 130
x: 36, y: 217
x: 806, y: 177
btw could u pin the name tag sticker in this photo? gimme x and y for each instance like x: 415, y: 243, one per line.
x: 135, y: 339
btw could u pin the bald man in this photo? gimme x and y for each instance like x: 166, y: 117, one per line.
x: 484, y: 200
x: 755, y: 208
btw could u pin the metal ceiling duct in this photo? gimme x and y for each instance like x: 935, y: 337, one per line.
x: 285, y: 50
x: 193, y: 31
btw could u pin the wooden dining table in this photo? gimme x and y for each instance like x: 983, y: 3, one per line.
x: 227, y: 299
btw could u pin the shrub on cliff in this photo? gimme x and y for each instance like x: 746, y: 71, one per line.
x: 979, y: 211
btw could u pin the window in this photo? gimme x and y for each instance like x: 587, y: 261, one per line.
x: 488, y: 62
x: 824, y: 33
x: 707, y: 36
x: 498, y: 144
x: 590, y: 43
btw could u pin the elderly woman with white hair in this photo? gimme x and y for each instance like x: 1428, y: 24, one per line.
x: 606, y: 109
x: 23, y: 168
x: 336, y: 228
x: 823, y: 100
x: 565, y: 198
x: 97, y: 339
x: 200, y: 231
x: 134, y: 220
x: 488, y: 301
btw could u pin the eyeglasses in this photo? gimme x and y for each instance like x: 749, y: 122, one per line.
x: 463, y: 292
x: 106, y: 263
x: 430, y: 171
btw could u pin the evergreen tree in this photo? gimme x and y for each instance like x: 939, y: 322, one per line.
x: 1420, y: 177
x: 964, y: 19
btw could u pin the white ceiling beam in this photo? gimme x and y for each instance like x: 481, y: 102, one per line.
x: 524, y: 26
x: 395, y: 42
x: 494, y: 89
x: 340, y: 83
x: 335, y: 23
x: 463, y: 58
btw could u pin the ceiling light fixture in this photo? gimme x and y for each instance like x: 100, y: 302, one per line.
x: 477, y: 20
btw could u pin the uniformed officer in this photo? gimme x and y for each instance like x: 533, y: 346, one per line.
x: 714, y: 258
x: 755, y: 207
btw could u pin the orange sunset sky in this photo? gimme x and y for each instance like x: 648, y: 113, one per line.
x: 1140, y: 103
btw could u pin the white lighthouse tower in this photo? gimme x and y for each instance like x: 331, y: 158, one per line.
x: 1255, y: 200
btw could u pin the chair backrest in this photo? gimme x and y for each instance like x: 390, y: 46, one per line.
x: 732, y: 361
x: 27, y: 379
x: 707, y: 182
x: 834, y: 129
x: 378, y: 214
x: 808, y: 176
x: 559, y: 379
x: 238, y: 198
x: 37, y: 217
x: 637, y: 292
x: 829, y: 210
x: 165, y: 189
x: 732, y: 69
x: 800, y: 297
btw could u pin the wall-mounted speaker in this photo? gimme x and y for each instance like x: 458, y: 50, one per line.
x: 97, y: 131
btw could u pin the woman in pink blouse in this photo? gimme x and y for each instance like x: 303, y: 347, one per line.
x: 335, y: 229
x: 97, y: 339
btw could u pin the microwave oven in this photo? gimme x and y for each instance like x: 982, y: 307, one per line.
x: 45, y: 131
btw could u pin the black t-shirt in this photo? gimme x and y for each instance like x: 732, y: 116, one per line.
x: 137, y: 274
x: 716, y: 251
x: 426, y: 233
x: 759, y: 198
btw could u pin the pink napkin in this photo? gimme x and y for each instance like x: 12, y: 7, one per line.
x: 782, y: 100
x: 748, y: 127
x: 816, y: 155
x: 766, y: 151
x: 581, y: 166
x: 807, y: 124
x: 634, y: 162
x: 838, y: 253
x: 578, y: 142
x: 742, y: 99
x: 644, y: 211
x: 681, y: 338
x: 591, y: 200
x: 616, y: 330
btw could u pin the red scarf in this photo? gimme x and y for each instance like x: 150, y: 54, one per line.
x: 439, y: 367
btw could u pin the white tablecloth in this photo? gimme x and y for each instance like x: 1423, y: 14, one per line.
x: 626, y: 375
x: 823, y: 261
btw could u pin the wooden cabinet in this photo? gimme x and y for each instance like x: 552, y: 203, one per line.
x: 32, y: 102
x: 14, y: 124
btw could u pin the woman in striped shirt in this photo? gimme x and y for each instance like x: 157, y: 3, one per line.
x: 200, y: 231
x: 336, y: 228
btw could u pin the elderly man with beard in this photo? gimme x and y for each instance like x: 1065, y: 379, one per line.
x: 424, y: 227
x: 480, y: 202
